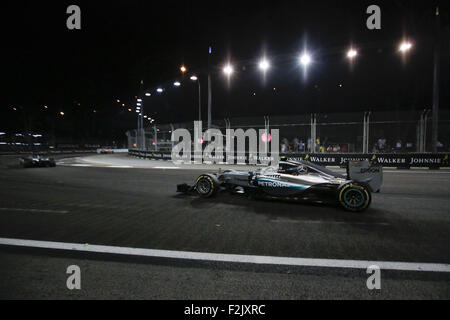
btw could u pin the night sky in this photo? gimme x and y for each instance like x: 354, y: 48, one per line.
x: 83, y: 72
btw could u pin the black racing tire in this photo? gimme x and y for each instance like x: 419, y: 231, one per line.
x: 354, y: 197
x: 24, y: 164
x: 206, y: 186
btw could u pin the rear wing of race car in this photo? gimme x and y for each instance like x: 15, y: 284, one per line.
x: 367, y: 173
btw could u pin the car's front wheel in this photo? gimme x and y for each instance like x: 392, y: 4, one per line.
x: 206, y: 186
x: 354, y: 197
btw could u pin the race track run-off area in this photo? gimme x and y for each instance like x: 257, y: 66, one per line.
x: 121, y: 221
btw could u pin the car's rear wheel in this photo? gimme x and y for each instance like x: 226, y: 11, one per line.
x: 24, y: 164
x: 206, y: 186
x: 354, y: 197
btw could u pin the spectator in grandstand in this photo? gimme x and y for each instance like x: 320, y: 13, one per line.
x: 375, y: 149
x: 336, y: 148
x: 296, y: 144
x: 285, y: 141
x: 381, y: 144
x: 302, y: 146
x: 285, y: 147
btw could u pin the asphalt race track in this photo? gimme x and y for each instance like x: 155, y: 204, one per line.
x: 126, y: 207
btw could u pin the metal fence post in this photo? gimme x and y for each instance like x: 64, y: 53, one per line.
x: 423, y: 131
x: 436, y: 83
x: 313, y: 133
x: 266, y: 132
x: 424, y: 137
x: 366, y: 133
x: 156, y: 138
x: 172, y: 128
x: 144, y: 145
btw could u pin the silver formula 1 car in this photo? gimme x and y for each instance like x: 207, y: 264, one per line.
x: 303, y: 181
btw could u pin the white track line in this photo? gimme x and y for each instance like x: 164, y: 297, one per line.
x: 33, y: 210
x: 78, y: 165
x: 230, y: 258
x: 120, y: 167
x: 329, y: 222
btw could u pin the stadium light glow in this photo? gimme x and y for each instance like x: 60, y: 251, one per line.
x: 305, y: 59
x: 264, y: 65
x: 228, y: 70
x: 352, y: 53
x: 405, y: 46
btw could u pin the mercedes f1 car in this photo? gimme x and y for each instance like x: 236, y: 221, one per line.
x: 37, y: 161
x: 303, y: 181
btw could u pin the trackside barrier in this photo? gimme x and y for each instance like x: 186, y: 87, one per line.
x: 56, y: 152
x: 391, y: 160
x: 106, y: 150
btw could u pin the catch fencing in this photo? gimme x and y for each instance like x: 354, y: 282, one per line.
x: 359, y: 132
x: 394, y: 139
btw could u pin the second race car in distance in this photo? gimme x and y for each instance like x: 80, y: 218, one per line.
x: 36, y: 161
x: 298, y: 181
